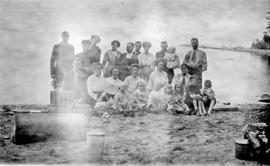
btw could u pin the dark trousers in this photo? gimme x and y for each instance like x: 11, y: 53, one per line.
x: 170, y: 74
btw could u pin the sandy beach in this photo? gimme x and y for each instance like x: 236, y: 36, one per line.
x: 151, y: 138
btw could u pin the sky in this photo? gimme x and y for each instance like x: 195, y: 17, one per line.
x: 30, y: 28
x: 214, y: 22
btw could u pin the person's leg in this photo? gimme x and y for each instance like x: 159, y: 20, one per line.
x: 170, y: 74
x: 212, y: 104
x: 200, y: 108
x: 59, y: 79
x: 203, y: 108
x: 195, y: 105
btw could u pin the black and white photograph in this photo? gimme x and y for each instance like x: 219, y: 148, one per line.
x: 135, y: 82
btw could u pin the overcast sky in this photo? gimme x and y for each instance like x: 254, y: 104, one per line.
x: 214, y: 22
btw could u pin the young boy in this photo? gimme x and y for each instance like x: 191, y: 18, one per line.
x: 193, y: 97
x: 208, y: 97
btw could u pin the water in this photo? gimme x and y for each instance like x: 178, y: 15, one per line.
x: 237, y: 77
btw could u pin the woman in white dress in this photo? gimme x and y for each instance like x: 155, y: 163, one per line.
x: 146, y: 62
x: 156, y: 86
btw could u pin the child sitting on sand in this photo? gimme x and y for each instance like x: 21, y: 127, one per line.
x: 208, y: 97
x: 193, y: 97
x: 122, y: 99
x: 140, y: 96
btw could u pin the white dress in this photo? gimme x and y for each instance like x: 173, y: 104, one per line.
x: 156, y: 86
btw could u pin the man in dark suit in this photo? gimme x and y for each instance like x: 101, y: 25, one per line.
x: 61, y: 60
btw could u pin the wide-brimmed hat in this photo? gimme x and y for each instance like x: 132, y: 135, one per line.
x: 117, y: 42
x: 264, y: 98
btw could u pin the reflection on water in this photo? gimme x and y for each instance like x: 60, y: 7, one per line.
x: 237, y: 77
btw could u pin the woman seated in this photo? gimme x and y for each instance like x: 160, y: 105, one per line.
x: 156, y: 85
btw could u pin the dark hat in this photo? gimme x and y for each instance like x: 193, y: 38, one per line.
x: 135, y: 65
x: 117, y: 42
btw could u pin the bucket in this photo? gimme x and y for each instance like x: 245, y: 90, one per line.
x: 95, y: 141
x: 242, y: 149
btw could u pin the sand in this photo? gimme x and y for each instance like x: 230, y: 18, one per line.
x: 144, y: 139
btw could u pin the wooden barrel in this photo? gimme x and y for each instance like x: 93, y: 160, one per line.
x: 60, y: 97
x: 242, y: 149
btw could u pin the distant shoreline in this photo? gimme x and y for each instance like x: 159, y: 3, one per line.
x: 238, y: 49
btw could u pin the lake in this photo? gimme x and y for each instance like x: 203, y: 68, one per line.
x: 237, y: 77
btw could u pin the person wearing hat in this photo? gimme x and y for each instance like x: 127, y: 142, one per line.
x: 83, y: 70
x: 61, y: 60
x: 132, y: 57
x: 161, y: 54
x: 182, y: 78
x: 110, y: 58
x: 146, y: 62
x: 95, y: 51
x: 96, y: 84
x: 196, y: 59
x: 138, y: 46
x: 131, y: 81
x: 124, y: 60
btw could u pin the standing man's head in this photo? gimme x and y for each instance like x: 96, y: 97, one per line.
x: 65, y: 36
x: 194, y: 43
x: 95, y: 39
x: 134, y: 70
x: 146, y: 46
x: 138, y: 46
x: 98, y: 69
x: 164, y: 45
x: 86, y: 45
x: 115, y: 45
x: 115, y: 73
x: 130, y: 47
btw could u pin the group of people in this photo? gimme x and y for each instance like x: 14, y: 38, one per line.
x: 136, y: 79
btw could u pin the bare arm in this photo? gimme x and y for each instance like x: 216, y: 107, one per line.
x: 204, y: 62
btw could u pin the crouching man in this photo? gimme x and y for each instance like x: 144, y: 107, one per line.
x: 96, y: 84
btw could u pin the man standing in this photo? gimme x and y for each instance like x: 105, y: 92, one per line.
x: 61, y: 60
x: 197, y: 61
x: 161, y: 54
